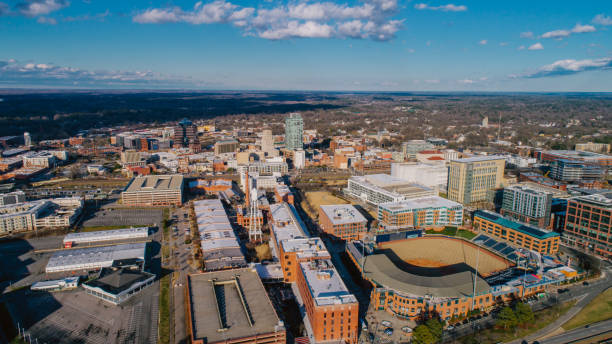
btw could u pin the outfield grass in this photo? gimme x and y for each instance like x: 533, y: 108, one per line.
x: 469, y: 235
x: 164, y: 309
x: 599, y: 309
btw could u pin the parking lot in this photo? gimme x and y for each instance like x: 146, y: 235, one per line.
x: 124, y: 217
x: 379, y: 321
x: 75, y: 317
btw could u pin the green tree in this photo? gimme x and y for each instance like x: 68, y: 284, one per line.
x: 422, y: 335
x: 506, y: 318
x: 435, y: 327
x: 524, y: 314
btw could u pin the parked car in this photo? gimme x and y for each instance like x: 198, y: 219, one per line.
x: 585, y: 283
x: 406, y: 329
x: 389, y: 331
x: 450, y: 327
x: 386, y: 323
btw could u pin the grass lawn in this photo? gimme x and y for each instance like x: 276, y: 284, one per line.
x: 101, y: 228
x: 164, y: 309
x: 599, y: 309
x: 450, y: 231
x: 466, y: 234
x: 543, y: 318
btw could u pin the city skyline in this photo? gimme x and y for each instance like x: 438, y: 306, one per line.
x: 369, y: 45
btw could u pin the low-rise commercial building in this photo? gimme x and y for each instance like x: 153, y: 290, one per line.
x: 520, y: 234
x: 231, y: 307
x: 154, y: 190
x: 12, y: 198
x: 117, y: 285
x: 226, y: 146
x: 428, y: 213
x: 94, y: 258
x: 588, y: 224
x: 342, y: 221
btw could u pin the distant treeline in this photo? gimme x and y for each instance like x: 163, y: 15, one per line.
x: 57, y: 115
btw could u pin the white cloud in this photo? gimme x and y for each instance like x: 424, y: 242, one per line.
x: 560, y: 34
x: 483, y: 42
x: 444, y: 8
x: 569, y: 66
x: 15, y: 72
x: 295, y: 29
x: 536, y: 46
x: 432, y: 81
x: 466, y: 81
x: 527, y: 34
x: 503, y: 44
x: 46, y: 20
x: 522, y: 47
x: 34, y: 8
x: 583, y: 28
x: 370, y: 20
x: 602, y: 20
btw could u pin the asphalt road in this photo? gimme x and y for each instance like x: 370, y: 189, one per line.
x: 581, y: 333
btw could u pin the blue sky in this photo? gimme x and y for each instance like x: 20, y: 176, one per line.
x: 367, y: 45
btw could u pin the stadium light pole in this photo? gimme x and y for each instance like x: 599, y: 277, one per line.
x: 475, y: 274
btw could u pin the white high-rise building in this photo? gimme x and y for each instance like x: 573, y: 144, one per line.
x: 27, y: 139
x: 299, y: 159
x: 267, y: 141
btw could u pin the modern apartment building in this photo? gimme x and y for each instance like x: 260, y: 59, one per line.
x: 294, y: 132
x: 427, y: 213
x: 333, y: 312
x: 12, y: 198
x: 574, y: 170
x: 527, y: 205
x: 469, y: 179
x: 588, y: 224
x: 343, y: 221
x: 35, y: 215
x: 383, y: 188
x: 520, y: 234
x: 154, y: 190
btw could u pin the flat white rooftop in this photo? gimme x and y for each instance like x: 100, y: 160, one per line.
x: 420, y: 203
x: 340, y: 214
x: 94, y: 257
x: 480, y: 158
x: 114, y: 234
x: 325, y: 284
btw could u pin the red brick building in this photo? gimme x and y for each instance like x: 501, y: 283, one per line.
x: 343, y: 221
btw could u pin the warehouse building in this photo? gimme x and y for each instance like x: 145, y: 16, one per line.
x: 343, y: 221
x: 109, y: 235
x: 220, y: 246
x: 232, y: 306
x: 94, y: 258
x: 154, y: 190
